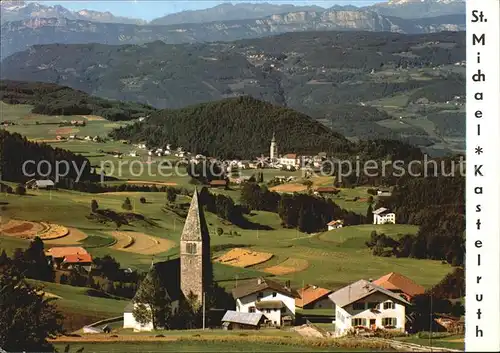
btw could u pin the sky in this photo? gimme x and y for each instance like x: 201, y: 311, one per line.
x: 149, y: 9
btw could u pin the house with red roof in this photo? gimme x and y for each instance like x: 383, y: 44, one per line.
x: 314, y: 297
x: 73, y: 255
x: 397, y: 283
x: 77, y: 260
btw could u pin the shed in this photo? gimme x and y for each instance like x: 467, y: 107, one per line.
x: 239, y: 320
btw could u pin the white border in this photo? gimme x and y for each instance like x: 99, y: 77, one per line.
x: 489, y: 140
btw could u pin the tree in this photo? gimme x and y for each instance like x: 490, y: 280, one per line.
x: 20, y: 190
x: 152, y: 303
x: 127, y: 205
x: 94, y: 206
x: 142, y: 199
x: 37, y: 266
x: 369, y: 214
x: 28, y: 319
x: 171, y: 194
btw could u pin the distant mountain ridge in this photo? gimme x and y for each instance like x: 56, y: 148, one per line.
x: 20, y: 35
x: 22, y: 10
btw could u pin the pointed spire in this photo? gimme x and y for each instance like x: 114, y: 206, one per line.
x: 273, y: 139
x: 195, y: 227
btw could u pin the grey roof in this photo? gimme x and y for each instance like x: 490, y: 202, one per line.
x: 195, y: 227
x: 359, y: 290
x: 381, y: 210
x: 242, y: 318
x: 259, y: 284
x: 44, y: 183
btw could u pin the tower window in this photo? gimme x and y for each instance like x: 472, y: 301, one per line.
x: 191, y: 248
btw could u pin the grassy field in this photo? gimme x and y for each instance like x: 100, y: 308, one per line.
x: 452, y: 342
x: 330, y: 259
x: 274, y: 340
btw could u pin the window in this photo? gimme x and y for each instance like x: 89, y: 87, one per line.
x: 251, y: 309
x: 358, y: 322
x: 275, y: 309
x: 191, y: 248
x: 389, y: 322
x: 268, y: 311
x: 372, y: 305
x: 274, y: 294
x: 389, y: 305
x: 358, y: 306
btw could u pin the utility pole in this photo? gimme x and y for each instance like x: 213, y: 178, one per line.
x: 430, y: 327
x: 203, y: 310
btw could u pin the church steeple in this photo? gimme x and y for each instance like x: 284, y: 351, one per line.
x: 273, y: 150
x: 196, y: 265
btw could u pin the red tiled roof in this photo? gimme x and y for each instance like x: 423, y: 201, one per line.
x: 77, y: 258
x: 290, y: 156
x: 332, y: 223
x: 310, y: 294
x: 396, y: 282
x: 63, y: 251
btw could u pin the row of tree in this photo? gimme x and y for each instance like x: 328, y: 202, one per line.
x: 306, y: 212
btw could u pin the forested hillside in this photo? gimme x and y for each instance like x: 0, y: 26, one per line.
x: 52, y: 99
x: 15, y: 150
x: 235, y: 128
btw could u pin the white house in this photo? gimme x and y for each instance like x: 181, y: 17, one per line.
x: 289, y: 160
x: 336, y: 224
x: 383, y: 215
x: 275, y: 301
x: 364, y: 305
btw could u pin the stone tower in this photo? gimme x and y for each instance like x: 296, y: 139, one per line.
x: 273, y: 151
x: 196, y: 265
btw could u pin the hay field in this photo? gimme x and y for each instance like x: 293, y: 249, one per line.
x: 141, y: 243
x: 243, y: 257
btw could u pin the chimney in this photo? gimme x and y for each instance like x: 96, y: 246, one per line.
x: 315, y: 287
x: 259, y: 280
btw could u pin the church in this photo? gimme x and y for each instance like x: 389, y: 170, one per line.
x: 189, y: 275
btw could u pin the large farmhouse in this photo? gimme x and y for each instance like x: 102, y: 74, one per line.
x: 383, y: 215
x: 274, y: 300
x: 364, y: 305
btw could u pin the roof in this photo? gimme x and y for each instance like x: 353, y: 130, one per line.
x: 242, y: 318
x: 77, y: 258
x: 269, y: 304
x: 326, y: 189
x: 359, y: 290
x: 290, y: 156
x: 129, y: 308
x: 44, y: 183
x: 338, y: 221
x: 195, y: 227
x: 64, y: 251
x: 395, y: 281
x: 260, y: 284
x: 310, y: 294
x: 381, y: 210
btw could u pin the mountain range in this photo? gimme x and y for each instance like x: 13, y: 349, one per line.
x: 15, y: 10
x: 27, y: 24
x: 337, y: 77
